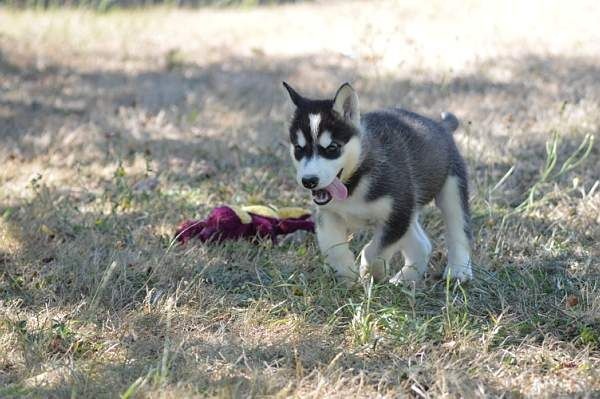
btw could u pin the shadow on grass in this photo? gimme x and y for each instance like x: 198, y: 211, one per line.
x: 61, y: 272
x: 68, y: 243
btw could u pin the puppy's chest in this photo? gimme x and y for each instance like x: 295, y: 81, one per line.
x: 358, y: 212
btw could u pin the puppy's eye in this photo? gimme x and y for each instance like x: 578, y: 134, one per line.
x: 297, y: 148
x: 333, y: 147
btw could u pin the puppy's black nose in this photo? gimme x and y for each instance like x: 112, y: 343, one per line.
x: 310, y: 181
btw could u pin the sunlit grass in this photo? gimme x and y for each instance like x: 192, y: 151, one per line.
x: 118, y: 126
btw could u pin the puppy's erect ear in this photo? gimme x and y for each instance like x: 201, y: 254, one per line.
x: 345, y: 104
x: 297, y: 99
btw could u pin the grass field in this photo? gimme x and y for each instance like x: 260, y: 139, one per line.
x: 115, y: 127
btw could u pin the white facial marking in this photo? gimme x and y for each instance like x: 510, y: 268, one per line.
x: 325, y: 169
x: 325, y: 139
x: 314, y: 121
x: 351, y: 155
x: 300, y: 138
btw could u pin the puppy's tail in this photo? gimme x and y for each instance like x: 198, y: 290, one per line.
x: 449, y: 121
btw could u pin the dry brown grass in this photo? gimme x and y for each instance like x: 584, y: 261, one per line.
x: 94, y: 302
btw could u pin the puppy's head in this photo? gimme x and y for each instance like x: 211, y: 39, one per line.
x: 325, y: 142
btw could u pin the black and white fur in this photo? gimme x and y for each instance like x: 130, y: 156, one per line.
x: 392, y: 162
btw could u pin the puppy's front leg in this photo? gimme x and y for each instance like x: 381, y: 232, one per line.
x: 390, y: 238
x: 375, y: 257
x: 332, y: 236
x: 416, y: 249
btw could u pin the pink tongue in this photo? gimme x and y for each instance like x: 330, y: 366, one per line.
x: 337, y: 189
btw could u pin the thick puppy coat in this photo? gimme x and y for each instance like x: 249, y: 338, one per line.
x: 392, y: 162
x: 407, y: 157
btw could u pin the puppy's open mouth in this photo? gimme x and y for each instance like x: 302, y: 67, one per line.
x: 336, y: 189
x: 321, y: 197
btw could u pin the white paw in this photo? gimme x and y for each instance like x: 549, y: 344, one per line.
x: 408, y: 275
x: 460, y: 273
x: 371, y: 264
x: 346, y: 276
x: 375, y: 269
x: 346, y: 280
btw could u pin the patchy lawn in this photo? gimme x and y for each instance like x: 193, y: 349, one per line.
x: 115, y: 127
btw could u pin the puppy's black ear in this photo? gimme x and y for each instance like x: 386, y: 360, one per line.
x: 345, y: 104
x: 297, y: 99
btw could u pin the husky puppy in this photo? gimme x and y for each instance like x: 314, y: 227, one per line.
x: 379, y: 169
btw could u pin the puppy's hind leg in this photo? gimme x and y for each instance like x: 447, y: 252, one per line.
x: 453, y: 201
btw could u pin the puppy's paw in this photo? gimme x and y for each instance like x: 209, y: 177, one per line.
x: 346, y: 276
x: 375, y: 269
x: 461, y: 273
x: 409, y: 275
x: 346, y: 281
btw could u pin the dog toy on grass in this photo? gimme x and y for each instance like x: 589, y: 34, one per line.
x: 231, y: 222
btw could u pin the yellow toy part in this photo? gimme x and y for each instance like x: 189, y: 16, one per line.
x: 261, y: 210
x: 242, y: 214
x: 292, y: 213
x: 271, y: 212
